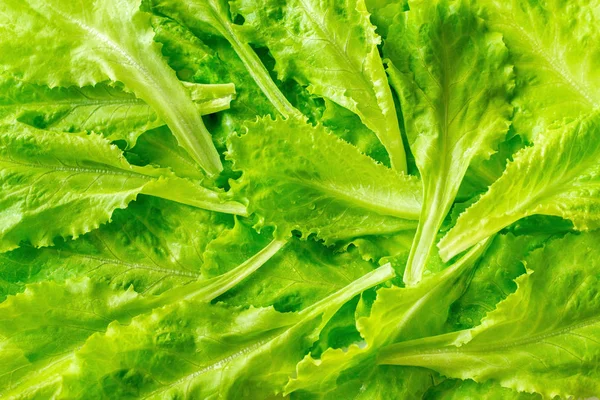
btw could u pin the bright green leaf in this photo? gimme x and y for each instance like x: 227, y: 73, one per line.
x: 331, y: 47
x: 544, y: 338
x: 549, y: 42
x: 153, y: 245
x: 213, y: 15
x: 300, y: 177
x: 557, y: 176
x: 384, y: 13
x: 454, y: 389
x: 105, y: 109
x: 62, y: 184
x: 397, y: 314
x: 42, y: 328
x: 454, y: 82
x: 204, y: 351
x: 87, y: 43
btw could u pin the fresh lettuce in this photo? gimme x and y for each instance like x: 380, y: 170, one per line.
x: 454, y: 82
x: 540, y: 339
x: 299, y: 199
x: 106, y: 40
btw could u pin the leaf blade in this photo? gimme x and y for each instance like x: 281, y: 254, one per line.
x: 445, y: 66
x: 85, y: 50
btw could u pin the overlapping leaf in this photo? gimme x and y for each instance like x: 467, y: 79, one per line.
x: 214, y: 351
x: 103, y: 108
x: 292, y: 280
x: 454, y: 81
x: 331, y: 47
x: 213, y: 16
x: 62, y: 184
x: 300, y: 177
x: 43, y: 327
x: 544, y: 338
x: 563, y: 184
x: 126, y: 273
x: 153, y: 245
x: 397, y: 314
x: 79, y: 44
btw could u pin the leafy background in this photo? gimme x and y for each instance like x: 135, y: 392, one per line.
x: 304, y: 199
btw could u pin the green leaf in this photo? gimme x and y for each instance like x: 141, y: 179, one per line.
x: 396, y: 383
x: 292, y: 280
x: 383, y: 382
x: 300, y: 177
x: 384, y: 13
x: 384, y: 248
x: 454, y: 82
x: 332, y: 47
x: 42, y: 328
x: 158, y: 147
x: 211, y: 98
x: 453, y: 389
x: 397, y: 314
x: 195, y: 61
x: 544, y: 338
x: 202, y: 351
x: 104, y: 108
x: 558, y: 77
x: 78, y: 44
x: 493, y: 280
x: 153, y: 245
x: 347, y: 125
x: 564, y: 185
x: 195, y: 196
x: 482, y: 173
x: 213, y: 15
x: 61, y: 184
x: 298, y: 277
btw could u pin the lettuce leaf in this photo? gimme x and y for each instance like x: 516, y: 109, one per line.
x: 454, y: 389
x: 201, y: 366
x: 299, y: 199
x: 332, y: 48
x: 397, y: 314
x: 152, y: 245
x: 44, y: 326
x: 356, y: 197
x: 454, y: 82
x: 563, y: 185
x: 103, y: 108
x: 542, y: 339
x: 558, y: 77
x: 213, y: 15
x: 64, y: 185
x: 86, y: 45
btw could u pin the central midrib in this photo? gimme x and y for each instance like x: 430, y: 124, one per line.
x: 133, y: 265
x: 494, y: 347
x: 97, y: 171
x: 77, y: 102
x: 217, y: 364
x: 349, y: 198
